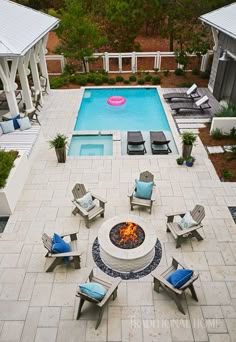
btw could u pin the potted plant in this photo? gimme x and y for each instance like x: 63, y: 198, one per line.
x: 190, y: 161
x: 59, y: 142
x: 188, y: 140
x: 180, y: 160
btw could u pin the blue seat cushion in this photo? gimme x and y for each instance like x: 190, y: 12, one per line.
x: 15, y: 122
x: 7, y: 126
x: 93, y: 290
x: 59, y: 245
x: 143, y: 189
x: 179, y: 277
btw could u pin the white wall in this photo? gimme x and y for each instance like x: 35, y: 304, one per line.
x: 224, y: 124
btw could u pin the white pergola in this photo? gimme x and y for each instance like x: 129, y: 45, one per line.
x: 23, y: 40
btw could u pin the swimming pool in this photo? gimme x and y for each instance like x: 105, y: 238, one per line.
x: 142, y: 111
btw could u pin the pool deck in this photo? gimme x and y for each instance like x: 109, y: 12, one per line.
x: 38, y: 306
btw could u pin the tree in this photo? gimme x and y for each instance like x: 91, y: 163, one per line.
x: 79, y: 34
x: 123, y: 22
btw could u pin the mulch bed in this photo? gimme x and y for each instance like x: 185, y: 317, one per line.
x: 219, y: 160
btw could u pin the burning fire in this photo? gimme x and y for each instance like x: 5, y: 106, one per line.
x: 128, y: 232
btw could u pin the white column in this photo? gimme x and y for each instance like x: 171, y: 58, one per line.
x: 8, y: 79
x: 42, y: 60
x: 120, y: 62
x: 106, y: 62
x: 25, y: 85
x: 35, y: 73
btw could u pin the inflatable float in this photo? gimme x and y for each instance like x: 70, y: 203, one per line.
x: 116, y: 100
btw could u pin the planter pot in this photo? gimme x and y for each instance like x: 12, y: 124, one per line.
x: 189, y: 164
x: 180, y: 163
x: 10, y: 194
x: 61, y: 154
x: 187, y: 150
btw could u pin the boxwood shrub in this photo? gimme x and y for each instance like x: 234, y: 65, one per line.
x: 132, y: 78
x: 156, y: 80
x: 119, y: 78
x: 111, y: 81
x: 141, y: 81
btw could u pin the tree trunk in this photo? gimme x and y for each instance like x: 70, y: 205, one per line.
x: 84, y: 64
x: 61, y: 154
x: 171, y: 40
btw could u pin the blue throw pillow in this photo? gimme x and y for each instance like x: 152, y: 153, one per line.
x: 7, y: 126
x: 93, y: 290
x: 15, y: 122
x: 24, y: 123
x: 179, y: 277
x: 59, y: 245
x: 143, y: 189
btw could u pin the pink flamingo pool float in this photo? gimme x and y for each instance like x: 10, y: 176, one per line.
x: 116, y: 100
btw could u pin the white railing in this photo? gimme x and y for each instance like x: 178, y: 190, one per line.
x: 156, y: 62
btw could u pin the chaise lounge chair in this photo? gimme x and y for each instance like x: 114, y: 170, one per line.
x: 190, y: 94
x: 135, y: 143
x: 200, y: 104
x: 159, y: 143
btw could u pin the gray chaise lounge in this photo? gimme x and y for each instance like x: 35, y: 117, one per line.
x: 135, y: 143
x: 159, y: 143
x: 200, y: 104
x: 190, y: 94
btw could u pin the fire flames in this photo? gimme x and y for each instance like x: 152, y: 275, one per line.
x: 128, y: 232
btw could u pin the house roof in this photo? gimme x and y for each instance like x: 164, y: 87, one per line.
x: 223, y: 19
x: 21, y: 28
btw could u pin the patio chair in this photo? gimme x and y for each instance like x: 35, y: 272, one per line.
x: 190, y: 94
x: 159, y: 143
x: 135, y: 143
x: 176, y: 294
x: 111, y: 292
x: 59, y: 258
x: 37, y: 100
x: 33, y: 116
x: 198, y: 214
x: 3, y: 98
x: 43, y: 84
x: 200, y: 104
x: 78, y: 192
x: 145, y: 176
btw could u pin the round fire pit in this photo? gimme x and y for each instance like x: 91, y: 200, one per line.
x: 127, y: 252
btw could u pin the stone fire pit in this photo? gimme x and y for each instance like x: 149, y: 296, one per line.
x: 128, y: 259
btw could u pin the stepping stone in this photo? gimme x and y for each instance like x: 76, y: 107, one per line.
x: 191, y: 125
x: 215, y: 149
x: 193, y: 121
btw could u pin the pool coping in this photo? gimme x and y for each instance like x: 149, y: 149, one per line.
x: 116, y: 135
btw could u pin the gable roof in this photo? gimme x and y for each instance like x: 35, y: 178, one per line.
x: 223, y: 19
x: 21, y: 28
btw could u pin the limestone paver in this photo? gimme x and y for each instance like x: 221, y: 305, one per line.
x: 39, y: 306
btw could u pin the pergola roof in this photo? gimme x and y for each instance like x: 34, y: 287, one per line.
x: 223, y: 19
x: 21, y: 28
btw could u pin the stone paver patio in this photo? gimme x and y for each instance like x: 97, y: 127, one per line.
x: 38, y: 306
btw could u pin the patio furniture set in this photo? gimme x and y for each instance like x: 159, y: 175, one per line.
x: 170, y: 280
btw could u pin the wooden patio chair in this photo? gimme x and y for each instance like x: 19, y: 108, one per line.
x: 176, y: 294
x: 145, y: 176
x: 198, y: 214
x: 33, y: 115
x: 78, y: 192
x: 58, y: 258
x: 111, y: 292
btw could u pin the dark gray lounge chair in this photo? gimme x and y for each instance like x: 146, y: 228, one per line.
x: 200, y: 104
x: 159, y: 143
x: 135, y: 143
x: 190, y: 94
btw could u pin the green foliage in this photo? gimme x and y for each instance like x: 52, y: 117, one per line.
x: 7, y: 159
x: 181, y: 57
x: 148, y: 78
x: 232, y: 133
x: 69, y: 69
x: 58, y: 82
x: 217, y: 134
x: 132, y: 78
x: 179, y: 72
x: 185, y: 84
x: 188, y: 138
x: 180, y: 160
x: 91, y: 77
x: 156, y: 70
x: 79, y: 34
x: 191, y: 159
x: 98, y: 81
x: 227, y: 111
x: 227, y: 174
x: 105, y: 79
x: 59, y: 141
x: 119, y: 78
x: 111, y: 81
x: 196, y: 71
x: 166, y: 72
x: 156, y: 80
x: 54, y: 13
x: 126, y: 82
x: 200, y: 43
x: 141, y: 81
x: 205, y: 75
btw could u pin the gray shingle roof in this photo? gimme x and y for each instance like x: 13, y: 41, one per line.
x: 21, y: 27
x: 223, y: 19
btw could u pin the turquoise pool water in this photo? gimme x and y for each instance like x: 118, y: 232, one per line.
x: 142, y: 111
x: 90, y: 145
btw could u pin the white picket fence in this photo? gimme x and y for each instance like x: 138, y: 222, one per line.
x: 107, y: 58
